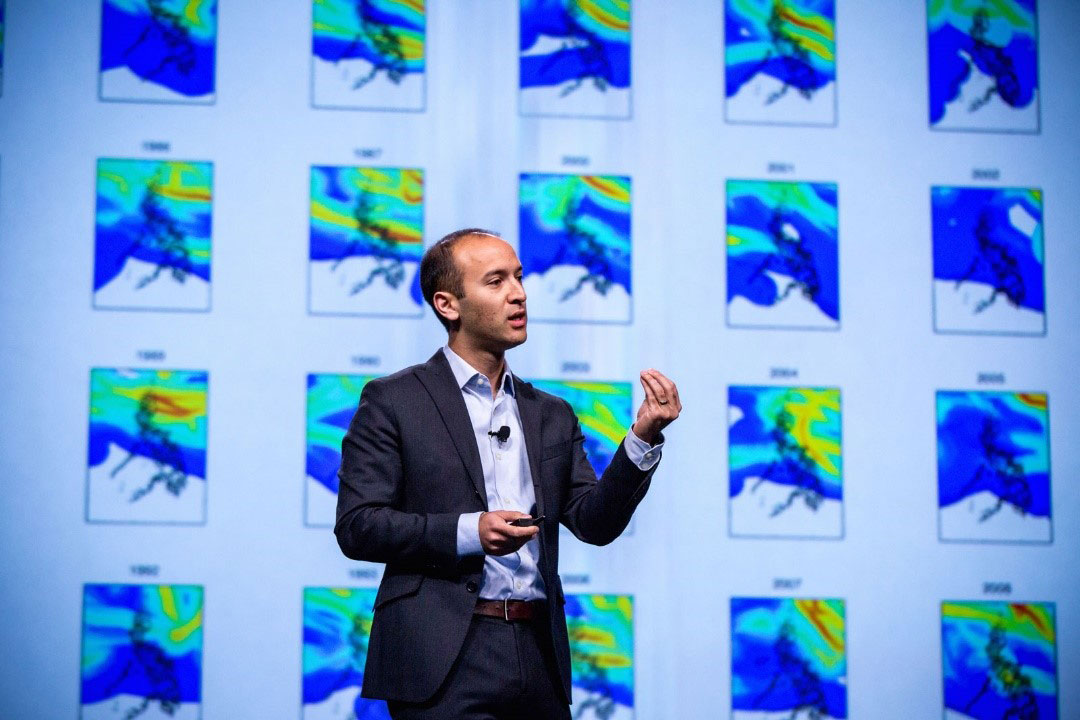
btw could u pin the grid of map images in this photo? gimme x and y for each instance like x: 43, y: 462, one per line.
x: 147, y: 438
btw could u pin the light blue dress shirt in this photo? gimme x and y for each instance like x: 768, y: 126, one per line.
x: 508, y: 480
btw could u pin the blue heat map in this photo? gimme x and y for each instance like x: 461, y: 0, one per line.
x: 337, y: 624
x: 789, y: 657
x: 143, y: 641
x: 588, y: 42
x: 789, y: 230
x: 159, y: 415
x: 601, y: 633
x: 999, y: 660
x: 369, y: 212
x: 331, y: 403
x: 977, y: 239
x: 167, y: 42
x: 996, y: 442
x: 388, y: 34
x: 579, y: 220
x: 996, y: 38
x: 158, y: 212
x: 790, y: 40
x: 786, y: 435
x: 604, y: 411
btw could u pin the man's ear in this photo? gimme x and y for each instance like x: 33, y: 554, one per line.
x: 446, y: 304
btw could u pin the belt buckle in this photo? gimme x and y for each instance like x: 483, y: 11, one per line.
x: 506, y: 609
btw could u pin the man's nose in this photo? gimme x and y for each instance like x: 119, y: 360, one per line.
x: 517, y: 291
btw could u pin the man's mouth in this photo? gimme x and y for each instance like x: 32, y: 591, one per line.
x: 518, y: 319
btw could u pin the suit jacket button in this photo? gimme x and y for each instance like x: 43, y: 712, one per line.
x: 470, y: 586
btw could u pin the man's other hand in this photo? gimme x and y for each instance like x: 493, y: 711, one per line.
x: 661, y: 406
x: 498, y: 537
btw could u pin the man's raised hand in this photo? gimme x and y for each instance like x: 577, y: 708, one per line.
x: 660, y: 408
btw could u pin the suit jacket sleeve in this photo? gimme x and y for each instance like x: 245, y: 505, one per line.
x: 597, y: 511
x: 370, y: 526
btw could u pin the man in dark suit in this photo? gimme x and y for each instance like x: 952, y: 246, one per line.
x: 438, y: 462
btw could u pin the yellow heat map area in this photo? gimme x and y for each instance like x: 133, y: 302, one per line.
x: 807, y: 409
x: 181, y: 181
x: 168, y: 606
x: 599, y: 418
x: 607, y: 187
x: 1035, y: 400
x: 179, y: 406
x: 376, y: 181
x: 828, y: 622
x: 331, y: 19
x: 612, y: 14
x: 1009, y: 11
x: 814, y: 32
x: 195, y: 10
x: 1026, y: 619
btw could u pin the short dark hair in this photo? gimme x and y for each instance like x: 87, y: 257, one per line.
x: 439, y: 272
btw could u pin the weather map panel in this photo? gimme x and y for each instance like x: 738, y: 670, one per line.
x: 984, y: 65
x: 152, y: 235
x: 158, y: 50
x: 337, y: 625
x: 368, y: 54
x: 780, y: 61
x: 788, y: 658
x: 574, y: 245
x: 999, y: 660
x: 142, y: 651
x: 601, y: 630
x: 575, y: 58
x: 782, y: 255
x: 367, y: 238
x: 993, y: 466
x: 989, y: 267
x: 785, y: 462
x: 332, y: 400
x: 147, y: 446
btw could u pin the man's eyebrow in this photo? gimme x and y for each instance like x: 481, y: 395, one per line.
x: 500, y: 271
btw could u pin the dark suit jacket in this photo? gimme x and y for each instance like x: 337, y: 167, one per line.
x: 409, y: 467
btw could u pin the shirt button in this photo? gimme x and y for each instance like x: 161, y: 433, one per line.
x: 470, y: 587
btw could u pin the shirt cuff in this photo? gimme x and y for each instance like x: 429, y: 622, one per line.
x: 640, y: 452
x: 468, y: 534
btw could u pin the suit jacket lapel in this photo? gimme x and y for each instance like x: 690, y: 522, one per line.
x: 529, y: 409
x: 440, y: 383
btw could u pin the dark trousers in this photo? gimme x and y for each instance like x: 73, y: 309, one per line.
x: 505, y: 671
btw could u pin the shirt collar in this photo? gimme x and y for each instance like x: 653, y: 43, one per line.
x: 465, y: 374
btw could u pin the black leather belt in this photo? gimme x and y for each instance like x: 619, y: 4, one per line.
x: 510, y: 609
